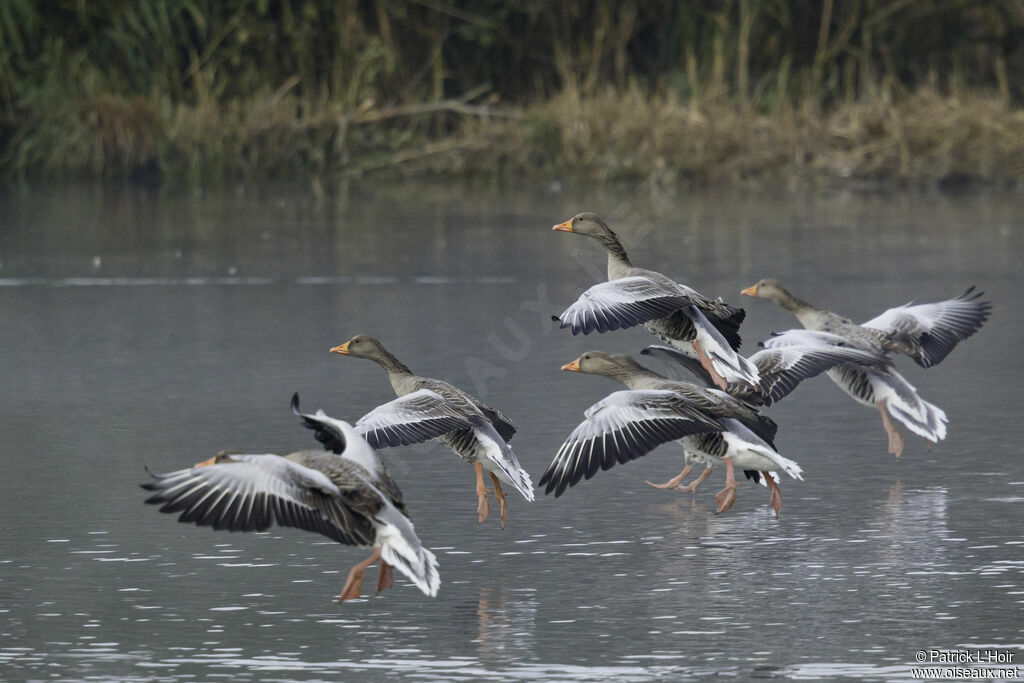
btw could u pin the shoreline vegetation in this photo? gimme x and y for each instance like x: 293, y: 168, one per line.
x: 729, y: 92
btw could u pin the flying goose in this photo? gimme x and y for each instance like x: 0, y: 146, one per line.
x: 678, y: 315
x: 799, y: 355
x: 654, y: 410
x: 925, y: 332
x: 481, y: 437
x: 789, y: 358
x: 344, y: 493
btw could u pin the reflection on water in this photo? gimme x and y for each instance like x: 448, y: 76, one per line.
x: 153, y: 330
x: 507, y: 623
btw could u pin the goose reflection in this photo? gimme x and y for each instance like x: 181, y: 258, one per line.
x: 507, y: 623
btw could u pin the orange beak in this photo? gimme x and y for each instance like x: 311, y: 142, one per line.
x: 564, y: 227
x: 343, y: 349
x: 206, y: 463
x: 749, y: 291
x: 573, y: 366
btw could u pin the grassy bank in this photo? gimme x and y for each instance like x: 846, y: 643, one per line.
x: 720, y: 91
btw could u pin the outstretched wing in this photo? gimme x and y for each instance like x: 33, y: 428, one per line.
x: 255, y: 491
x: 622, y: 303
x: 783, y: 368
x: 621, y: 427
x: 934, y: 330
x: 800, y: 337
x: 413, y: 418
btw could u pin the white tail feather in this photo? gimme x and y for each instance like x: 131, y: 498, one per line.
x: 788, y: 466
x: 401, y: 548
x: 928, y: 421
x: 727, y: 363
x: 903, y: 403
x: 741, y: 439
x: 503, y: 462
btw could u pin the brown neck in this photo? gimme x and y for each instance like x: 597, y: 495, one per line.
x: 628, y: 372
x: 391, y: 365
x: 791, y: 303
x: 615, y: 250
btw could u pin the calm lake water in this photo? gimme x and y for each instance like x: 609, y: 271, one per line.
x: 143, y: 329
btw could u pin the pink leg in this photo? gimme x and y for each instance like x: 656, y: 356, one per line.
x: 674, y: 481
x: 776, y: 500
x: 483, y: 506
x: 385, y: 578
x: 692, y: 486
x: 727, y: 496
x: 354, y: 584
x: 896, y: 441
x: 705, y: 362
x: 502, y: 503
x: 674, y: 485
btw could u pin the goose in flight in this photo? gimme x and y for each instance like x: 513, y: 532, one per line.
x: 343, y: 493
x: 654, y: 410
x: 678, y: 315
x: 480, y: 435
x: 925, y: 332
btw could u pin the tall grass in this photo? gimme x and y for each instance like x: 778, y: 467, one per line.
x: 204, y: 90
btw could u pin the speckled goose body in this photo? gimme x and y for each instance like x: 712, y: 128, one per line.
x: 484, y: 435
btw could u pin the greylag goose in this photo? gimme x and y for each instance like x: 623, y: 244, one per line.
x: 654, y: 410
x: 925, y: 332
x: 789, y: 358
x: 678, y: 315
x: 798, y: 355
x: 481, y: 438
x: 344, y: 493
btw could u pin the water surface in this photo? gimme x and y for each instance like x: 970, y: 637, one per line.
x: 144, y: 329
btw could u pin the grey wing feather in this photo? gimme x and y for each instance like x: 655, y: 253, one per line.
x: 473, y: 409
x: 622, y: 303
x: 416, y: 417
x: 932, y: 331
x: 256, y: 491
x: 622, y: 427
x: 783, y: 368
x: 680, y: 366
x: 799, y: 337
x: 325, y: 429
x: 501, y: 424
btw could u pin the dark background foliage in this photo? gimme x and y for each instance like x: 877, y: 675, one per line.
x: 101, y: 81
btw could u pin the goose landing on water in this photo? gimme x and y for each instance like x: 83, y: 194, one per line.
x: 344, y: 493
x: 654, y: 410
x: 797, y: 355
x: 676, y: 314
x: 925, y: 332
x: 481, y: 436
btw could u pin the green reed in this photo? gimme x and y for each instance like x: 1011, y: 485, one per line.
x: 206, y: 90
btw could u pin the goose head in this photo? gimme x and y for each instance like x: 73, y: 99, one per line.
x: 589, y: 224
x: 769, y: 288
x: 363, y: 346
x: 611, y: 365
